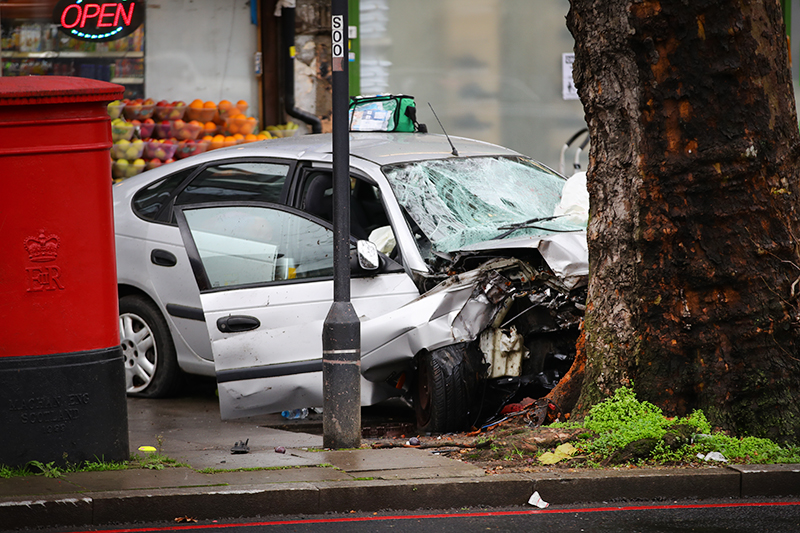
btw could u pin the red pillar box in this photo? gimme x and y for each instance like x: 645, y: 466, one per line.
x: 62, y: 382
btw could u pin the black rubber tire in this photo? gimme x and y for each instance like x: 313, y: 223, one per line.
x: 137, y: 313
x: 441, y: 399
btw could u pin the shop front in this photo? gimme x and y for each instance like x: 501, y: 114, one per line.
x: 197, y: 75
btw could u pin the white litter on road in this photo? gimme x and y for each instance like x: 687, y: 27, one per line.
x: 537, y: 500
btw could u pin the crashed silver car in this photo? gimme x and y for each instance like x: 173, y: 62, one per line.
x: 477, y: 299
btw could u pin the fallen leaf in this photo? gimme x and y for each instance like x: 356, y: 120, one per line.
x: 565, y: 451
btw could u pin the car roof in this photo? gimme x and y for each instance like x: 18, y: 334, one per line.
x: 379, y: 148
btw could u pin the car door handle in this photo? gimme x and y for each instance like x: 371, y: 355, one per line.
x: 236, y: 323
x: 163, y: 258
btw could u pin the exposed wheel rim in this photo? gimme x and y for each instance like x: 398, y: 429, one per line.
x: 139, y: 351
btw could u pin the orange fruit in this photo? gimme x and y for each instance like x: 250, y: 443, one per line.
x: 208, y: 138
x: 250, y: 138
x: 249, y: 125
x: 210, y: 105
x: 262, y: 137
x: 210, y: 126
x: 242, y: 105
x: 229, y: 141
x: 224, y: 105
x: 238, y: 136
x: 196, y: 104
x: 218, y: 141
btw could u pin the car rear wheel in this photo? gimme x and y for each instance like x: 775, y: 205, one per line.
x: 441, y: 399
x: 151, y: 366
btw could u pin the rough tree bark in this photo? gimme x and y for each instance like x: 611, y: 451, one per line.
x: 693, y: 224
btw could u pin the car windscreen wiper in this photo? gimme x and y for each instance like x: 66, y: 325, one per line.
x: 511, y: 228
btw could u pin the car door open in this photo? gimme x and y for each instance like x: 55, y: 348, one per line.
x: 265, y: 274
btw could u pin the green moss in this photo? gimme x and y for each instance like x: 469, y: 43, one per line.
x: 629, y: 430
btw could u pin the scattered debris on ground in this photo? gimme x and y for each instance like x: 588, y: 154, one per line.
x: 620, y: 431
x: 508, y: 444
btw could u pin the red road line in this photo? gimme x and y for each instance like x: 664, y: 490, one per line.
x: 453, y: 515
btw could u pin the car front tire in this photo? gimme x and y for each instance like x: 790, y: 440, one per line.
x: 151, y: 366
x: 441, y: 394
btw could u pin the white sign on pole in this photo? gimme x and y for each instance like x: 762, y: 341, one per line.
x: 338, y: 46
x: 568, y: 90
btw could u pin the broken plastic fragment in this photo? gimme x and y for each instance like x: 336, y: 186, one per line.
x: 565, y: 451
x: 413, y: 441
x: 537, y: 500
x: 147, y: 449
x: 280, y: 449
x: 241, y: 447
x: 713, y: 456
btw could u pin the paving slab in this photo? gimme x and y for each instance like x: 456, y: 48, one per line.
x: 284, y: 475
x: 223, y: 459
x: 431, y: 472
x: 137, y: 479
x: 368, y: 460
x: 769, y: 480
x: 192, y: 423
x: 35, y: 485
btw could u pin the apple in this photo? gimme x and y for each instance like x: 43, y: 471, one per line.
x: 134, y: 151
x: 153, y: 163
x: 176, y: 111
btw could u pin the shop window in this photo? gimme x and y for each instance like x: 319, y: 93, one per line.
x: 31, y: 44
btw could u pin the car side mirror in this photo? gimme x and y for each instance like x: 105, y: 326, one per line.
x: 368, y: 258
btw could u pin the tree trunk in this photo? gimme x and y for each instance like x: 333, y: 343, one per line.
x: 694, y: 191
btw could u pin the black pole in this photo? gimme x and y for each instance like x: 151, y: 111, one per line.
x: 341, y: 331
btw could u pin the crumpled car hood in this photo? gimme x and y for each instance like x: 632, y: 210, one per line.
x: 567, y: 254
x: 460, y: 308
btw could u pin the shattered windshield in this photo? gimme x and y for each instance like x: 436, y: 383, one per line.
x: 462, y: 201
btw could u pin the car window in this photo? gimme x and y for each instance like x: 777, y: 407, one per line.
x: 236, y: 181
x: 459, y: 202
x: 147, y: 203
x: 368, y: 219
x: 255, y: 245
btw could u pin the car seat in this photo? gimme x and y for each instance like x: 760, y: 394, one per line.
x: 319, y: 202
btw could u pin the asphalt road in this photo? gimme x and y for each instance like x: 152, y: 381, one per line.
x: 750, y: 516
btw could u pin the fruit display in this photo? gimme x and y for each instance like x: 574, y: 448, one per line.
x: 138, y: 109
x: 149, y: 133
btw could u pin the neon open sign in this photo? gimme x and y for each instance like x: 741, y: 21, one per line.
x: 89, y: 20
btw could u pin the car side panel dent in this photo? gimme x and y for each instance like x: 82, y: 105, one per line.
x: 269, y: 395
x: 454, y: 311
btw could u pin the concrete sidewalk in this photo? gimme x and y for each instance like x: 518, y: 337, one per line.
x: 306, y: 480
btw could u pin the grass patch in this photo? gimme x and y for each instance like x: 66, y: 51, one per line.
x: 626, y: 430
x: 154, y: 461
x: 51, y: 470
